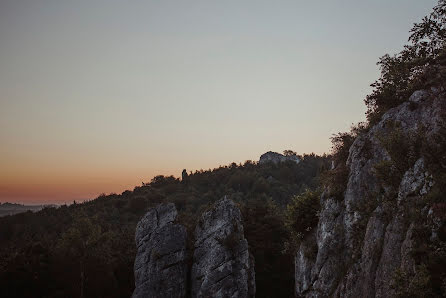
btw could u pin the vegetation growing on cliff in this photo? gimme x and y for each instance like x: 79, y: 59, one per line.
x: 421, y: 65
x: 302, y: 214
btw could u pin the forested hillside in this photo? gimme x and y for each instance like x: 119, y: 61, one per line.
x: 89, y: 247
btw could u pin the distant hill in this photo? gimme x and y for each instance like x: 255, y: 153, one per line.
x: 13, y: 208
x: 40, y: 252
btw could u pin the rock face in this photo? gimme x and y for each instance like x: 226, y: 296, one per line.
x: 276, y: 158
x: 222, y: 264
x: 160, y: 264
x: 362, y: 239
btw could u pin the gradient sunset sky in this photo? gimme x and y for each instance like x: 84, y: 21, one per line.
x: 98, y: 96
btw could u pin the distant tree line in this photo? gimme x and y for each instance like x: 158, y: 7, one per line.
x: 87, y: 249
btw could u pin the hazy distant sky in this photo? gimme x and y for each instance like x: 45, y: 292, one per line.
x: 97, y: 96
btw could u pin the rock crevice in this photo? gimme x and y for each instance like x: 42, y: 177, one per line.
x: 160, y: 264
x: 359, y: 250
x: 222, y: 265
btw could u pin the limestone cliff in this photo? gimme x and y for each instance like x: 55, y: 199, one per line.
x: 363, y: 239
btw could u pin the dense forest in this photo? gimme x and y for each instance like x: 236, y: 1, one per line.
x: 88, y: 248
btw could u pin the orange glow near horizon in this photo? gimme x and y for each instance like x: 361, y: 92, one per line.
x: 59, y: 187
x: 97, y: 97
x: 39, y: 182
x: 46, y: 186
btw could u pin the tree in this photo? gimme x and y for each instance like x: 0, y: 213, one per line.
x: 184, y: 176
x: 420, y: 65
x: 289, y: 153
x: 80, y: 242
x: 302, y: 213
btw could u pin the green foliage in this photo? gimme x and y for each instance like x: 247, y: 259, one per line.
x: 82, y: 242
x: 437, y: 194
x: 335, y: 180
x: 420, y: 65
x: 433, y: 152
x: 430, y: 256
x: 43, y: 254
x: 429, y: 246
x: 417, y: 285
x: 231, y: 241
x: 387, y: 173
x: 289, y: 153
x: 302, y: 213
x: 81, y: 238
x: 403, y: 149
x: 265, y: 230
x: 137, y: 204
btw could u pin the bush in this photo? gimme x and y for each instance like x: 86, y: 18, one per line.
x: 420, y: 65
x: 302, y: 213
x: 137, y: 204
x: 403, y: 149
x: 231, y: 241
x: 412, y: 285
x: 335, y: 180
x: 265, y: 230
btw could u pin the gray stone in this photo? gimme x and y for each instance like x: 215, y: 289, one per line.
x: 276, y: 158
x: 362, y: 239
x: 419, y: 95
x: 304, y: 263
x: 222, y: 266
x: 415, y: 181
x: 160, y: 264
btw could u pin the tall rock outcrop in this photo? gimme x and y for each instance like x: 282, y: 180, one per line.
x: 222, y: 264
x: 364, y: 238
x: 160, y: 264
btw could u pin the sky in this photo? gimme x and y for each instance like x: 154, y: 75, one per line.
x: 99, y: 96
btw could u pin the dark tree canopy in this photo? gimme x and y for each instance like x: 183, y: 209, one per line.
x: 87, y: 249
x: 420, y: 65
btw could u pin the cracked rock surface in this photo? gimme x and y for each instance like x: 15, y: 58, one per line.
x: 362, y: 239
x: 222, y: 266
x: 160, y: 264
